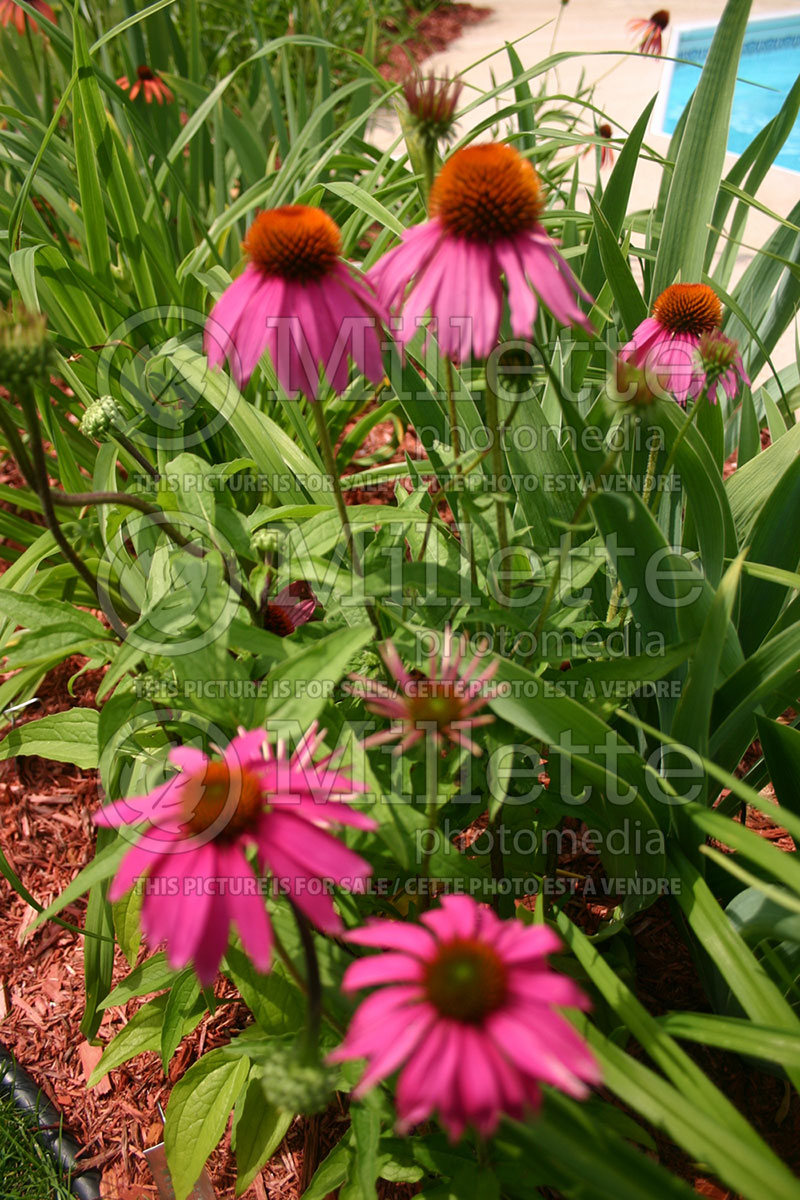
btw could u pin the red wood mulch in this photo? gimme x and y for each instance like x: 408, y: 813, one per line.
x: 432, y: 32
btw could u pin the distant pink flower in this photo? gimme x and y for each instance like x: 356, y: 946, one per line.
x: 201, y: 822
x: 151, y: 86
x: 299, y: 300
x: 469, y: 1013
x: 10, y: 12
x: 648, y: 34
x: 485, y: 206
x: 443, y: 703
x: 666, y: 346
x: 293, y: 606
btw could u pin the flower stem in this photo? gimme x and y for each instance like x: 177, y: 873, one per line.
x: 135, y: 453
x: 493, y: 426
x: 313, y: 984
x: 455, y: 440
x: 649, y: 481
x: 86, y: 499
x: 329, y: 462
x: 41, y: 482
x: 432, y: 799
x: 676, y: 445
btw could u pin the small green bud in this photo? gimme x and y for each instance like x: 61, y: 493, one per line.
x: 26, y: 355
x: 365, y: 663
x: 266, y: 541
x: 293, y: 1085
x: 99, y: 417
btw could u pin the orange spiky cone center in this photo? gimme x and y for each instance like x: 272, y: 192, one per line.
x: 227, y: 802
x: 688, y: 308
x: 295, y: 242
x: 487, y: 192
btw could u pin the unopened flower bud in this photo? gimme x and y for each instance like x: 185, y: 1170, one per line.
x: 99, y: 417
x: 293, y: 1085
x: 717, y: 354
x: 266, y: 542
x: 432, y: 104
x: 25, y: 351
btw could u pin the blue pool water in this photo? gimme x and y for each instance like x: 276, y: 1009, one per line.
x: 770, y: 57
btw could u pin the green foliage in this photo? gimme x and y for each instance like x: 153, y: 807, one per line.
x: 644, y: 639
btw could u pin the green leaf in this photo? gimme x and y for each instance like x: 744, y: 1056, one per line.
x: 366, y: 1124
x: 753, y: 1174
x: 299, y: 689
x: 197, y: 1114
x: 734, y: 1034
x: 780, y: 745
x: 614, y: 201
x: 689, y: 1081
x: 750, y: 485
x: 127, y: 928
x: 182, y: 1000
x: 153, y: 975
x: 141, y: 1033
x: 693, y: 716
x: 32, y: 613
x: 744, y: 973
x: 69, y: 737
x: 774, y: 541
x: 332, y: 1172
x: 701, y: 157
x: 258, y: 1130
x: 276, y: 1004
x: 631, y: 305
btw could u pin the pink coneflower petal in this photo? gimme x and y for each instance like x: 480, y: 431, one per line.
x: 307, y: 310
x: 209, y: 951
x: 402, y: 1037
x: 384, y: 968
x: 473, y: 1037
x: 245, y: 907
x: 484, y: 208
x: 199, y: 880
x: 394, y: 935
x: 317, y: 850
x: 163, y: 803
x: 665, y: 346
x: 429, y: 1075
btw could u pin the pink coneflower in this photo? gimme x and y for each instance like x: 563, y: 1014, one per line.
x: 11, y: 12
x: 470, y: 1013
x: 648, y: 34
x: 293, y: 606
x: 201, y: 822
x: 605, y: 133
x: 443, y: 703
x: 485, y: 206
x: 151, y: 86
x: 298, y: 299
x: 666, y: 345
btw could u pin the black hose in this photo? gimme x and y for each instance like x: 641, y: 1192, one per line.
x: 62, y: 1146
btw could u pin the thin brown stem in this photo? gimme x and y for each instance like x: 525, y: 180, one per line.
x: 42, y: 486
x: 156, y: 514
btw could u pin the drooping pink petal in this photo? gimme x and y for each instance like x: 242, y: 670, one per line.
x: 245, y: 906
x: 394, y: 935
x: 382, y: 968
